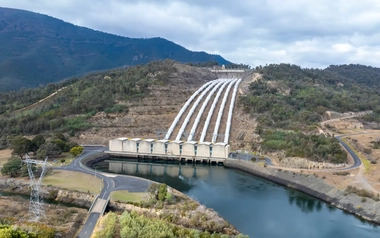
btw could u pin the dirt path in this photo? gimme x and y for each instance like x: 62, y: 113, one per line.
x: 40, y: 101
x: 353, y: 114
x: 361, y: 180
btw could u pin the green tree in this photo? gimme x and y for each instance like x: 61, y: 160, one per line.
x: 48, y: 149
x: 60, y: 136
x: 3, y: 142
x: 62, y: 144
x: 37, y: 141
x: 162, y: 190
x: 20, y: 145
x: 76, y: 150
x: 12, y: 167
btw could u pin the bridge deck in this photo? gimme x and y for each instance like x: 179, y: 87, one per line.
x: 99, y: 205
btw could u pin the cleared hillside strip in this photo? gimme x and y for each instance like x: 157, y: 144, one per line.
x: 201, y: 110
x: 229, y: 120
x: 183, y: 109
x: 211, y: 111
x: 221, y: 109
x: 208, y: 88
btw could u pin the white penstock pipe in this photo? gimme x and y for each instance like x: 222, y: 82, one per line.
x: 220, y: 113
x: 228, y: 125
x: 183, y: 109
x: 211, y: 111
x: 188, y: 116
x: 201, y: 110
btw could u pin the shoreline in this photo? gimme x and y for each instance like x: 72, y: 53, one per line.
x: 85, y: 200
x: 363, y: 207
x: 367, y: 209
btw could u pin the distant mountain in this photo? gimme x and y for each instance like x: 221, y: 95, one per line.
x: 37, y: 49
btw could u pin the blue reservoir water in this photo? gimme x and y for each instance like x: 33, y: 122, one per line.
x: 256, y: 207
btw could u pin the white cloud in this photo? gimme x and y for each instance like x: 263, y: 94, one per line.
x: 308, y: 33
x: 342, y: 48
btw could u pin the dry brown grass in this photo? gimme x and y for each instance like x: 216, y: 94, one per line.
x: 16, y: 209
x: 362, y: 144
x: 4, y: 156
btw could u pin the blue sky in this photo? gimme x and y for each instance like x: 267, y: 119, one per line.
x: 255, y: 32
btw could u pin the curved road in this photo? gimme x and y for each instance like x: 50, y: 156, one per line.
x: 357, y: 161
x: 111, y: 183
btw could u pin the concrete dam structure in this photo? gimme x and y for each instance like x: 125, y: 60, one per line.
x: 200, y: 131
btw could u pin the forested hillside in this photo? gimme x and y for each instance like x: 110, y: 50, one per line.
x: 37, y: 49
x: 79, y: 99
x: 141, y: 100
x: 360, y: 74
x: 289, y: 97
x: 136, y: 101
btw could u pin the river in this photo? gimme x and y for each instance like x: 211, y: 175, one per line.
x: 256, y: 207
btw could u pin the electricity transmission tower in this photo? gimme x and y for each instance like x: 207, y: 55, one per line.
x: 36, y: 206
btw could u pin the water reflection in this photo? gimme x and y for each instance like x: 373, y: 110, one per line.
x: 255, y: 206
x: 304, y: 202
x: 175, y: 175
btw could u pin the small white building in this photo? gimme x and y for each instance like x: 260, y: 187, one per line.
x: 146, y: 146
x: 160, y: 147
x: 204, y: 149
x: 131, y: 145
x: 174, y: 148
x: 117, y: 144
x: 220, y: 150
x: 189, y: 148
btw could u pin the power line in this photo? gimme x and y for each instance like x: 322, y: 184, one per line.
x: 36, y: 206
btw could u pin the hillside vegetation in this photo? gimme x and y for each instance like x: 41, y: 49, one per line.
x: 136, y: 225
x: 37, y: 49
x: 135, y: 101
x: 288, y: 103
x: 79, y: 100
x: 297, y: 144
x: 289, y: 97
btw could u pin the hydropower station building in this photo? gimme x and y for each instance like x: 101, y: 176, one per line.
x: 218, y: 96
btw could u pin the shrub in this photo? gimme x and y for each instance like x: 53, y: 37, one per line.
x: 362, y: 192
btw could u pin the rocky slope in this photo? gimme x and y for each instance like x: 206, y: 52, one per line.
x: 151, y: 114
x: 52, y: 193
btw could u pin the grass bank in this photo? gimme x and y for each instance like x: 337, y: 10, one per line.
x: 74, y: 181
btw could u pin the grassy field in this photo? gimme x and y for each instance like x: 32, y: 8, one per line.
x: 74, y: 180
x: 125, y: 196
x: 66, y: 156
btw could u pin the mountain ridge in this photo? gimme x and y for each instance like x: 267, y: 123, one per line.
x: 38, y: 49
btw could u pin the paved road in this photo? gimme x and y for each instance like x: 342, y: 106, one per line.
x: 111, y: 183
x: 357, y: 161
